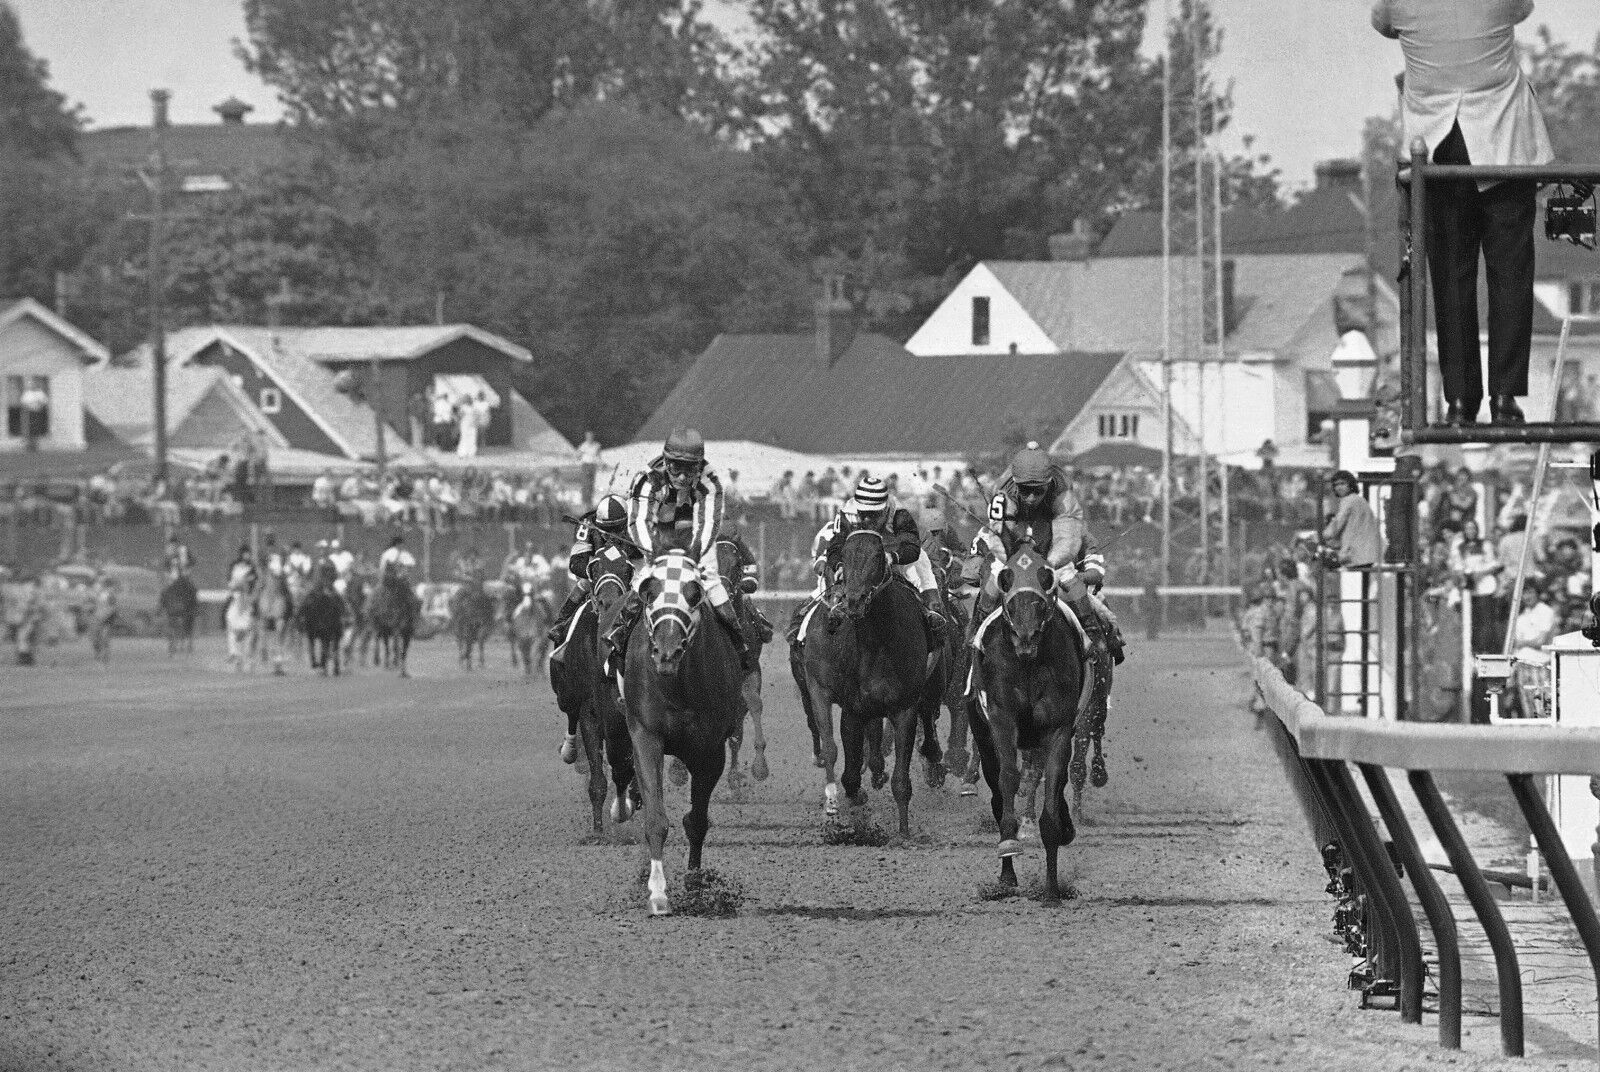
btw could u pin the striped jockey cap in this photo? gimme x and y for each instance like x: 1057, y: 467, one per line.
x: 871, y: 493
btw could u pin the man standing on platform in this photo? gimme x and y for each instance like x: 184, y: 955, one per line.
x: 1465, y: 96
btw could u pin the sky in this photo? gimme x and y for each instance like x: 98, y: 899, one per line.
x: 1305, y: 73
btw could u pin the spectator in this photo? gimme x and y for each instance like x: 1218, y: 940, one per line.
x: 324, y: 492
x: 1477, y: 566
x: 1535, y: 623
x: 1354, y: 527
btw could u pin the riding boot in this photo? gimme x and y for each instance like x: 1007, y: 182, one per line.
x: 762, y: 623
x: 617, y: 636
x: 795, y: 620
x: 933, y: 615
x: 730, y: 618
x: 1093, y: 627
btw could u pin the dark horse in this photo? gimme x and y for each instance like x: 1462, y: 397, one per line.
x: 180, y: 603
x: 393, y: 610
x: 472, y: 613
x: 589, y: 700
x: 320, y: 618
x: 682, y: 696
x: 874, y: 663
x: 1031, y: 687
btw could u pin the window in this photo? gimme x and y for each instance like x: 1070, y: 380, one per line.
x: 27, y: 400
x: 271, y: 400
x: 980, y: 321
x: 1583, y: 296
x: 1118, y: 425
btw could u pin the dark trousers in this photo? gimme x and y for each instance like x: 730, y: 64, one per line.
x: 1498, y: 222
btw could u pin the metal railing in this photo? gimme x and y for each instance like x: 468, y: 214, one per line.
x: 1318, y: 752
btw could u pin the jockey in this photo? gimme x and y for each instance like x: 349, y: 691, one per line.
x: 178, y: 558
x: 398, y: 558
x: 298, y: 562
x: 604, y: 526
x: 870, y: 507
x: 344, y: 564
x: 677, y: 503
x: 819, y: 566
x: 1037, y: 503
x: 749, y: 576
x: 273, y: 561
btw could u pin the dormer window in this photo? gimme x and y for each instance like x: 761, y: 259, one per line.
x: 980, y: 321
x: 271, y: 400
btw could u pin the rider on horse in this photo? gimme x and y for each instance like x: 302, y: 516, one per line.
x: 676, y: 503
x: 1038, y: 504
x: 396, y: 558
x: 604, y: 526
x: 749, y: 576
x: 870, y: 507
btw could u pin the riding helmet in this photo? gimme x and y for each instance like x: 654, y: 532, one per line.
x: 1031, y: 465
x: 871, y: 494
x: 611, y: 514
x: 685, y: 445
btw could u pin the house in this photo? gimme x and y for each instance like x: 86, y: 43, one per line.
x: 206, y: 410
x: 42, y: 363
x: 862, y: 398
x: 311, y: 384
x: 203, y: 157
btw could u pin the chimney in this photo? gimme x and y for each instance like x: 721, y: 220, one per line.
x: 1339, y: 175
x: 233, y: 110
x: 836, y: 321
x: 1075, y: 244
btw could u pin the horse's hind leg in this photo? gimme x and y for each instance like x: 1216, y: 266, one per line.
x: 905, y: 731
x: 820, y: 715
x: 872, y: 735
x: 1055, y: 822
x: 932, y: 755
x: 1098, y: 776
x: 852, y: 734
x: 797, y: 670
x: 758, y: 740
x: 736, y: 779
x: 594, y: 749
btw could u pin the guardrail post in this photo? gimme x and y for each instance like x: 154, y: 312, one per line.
x: 1381, y: 931
x: 1483, y: 904
x: 1560, y: 864
x: 1434, y: 905
x: 1387, y: 891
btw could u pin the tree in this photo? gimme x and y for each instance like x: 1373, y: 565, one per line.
x: 48, y: 217
x: 1568, y: 85
x: 338, y: 60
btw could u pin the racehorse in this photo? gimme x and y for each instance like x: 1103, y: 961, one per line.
x: 683, y: 695
x: 274, y: 609
x: 873, y: 661
x: 589, y: 699
x: 358, y: 620
x: 179, y: 603
x: 239, y: 621
x: 472, y: 614
x: 755, y: 638
x: 529, y: 615
x: 1031, y: 689
x: 393, y: 610
x: 320, y: 618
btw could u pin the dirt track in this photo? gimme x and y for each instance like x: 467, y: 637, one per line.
x: 204, y: 871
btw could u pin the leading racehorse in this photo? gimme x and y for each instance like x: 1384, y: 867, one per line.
x: 393, y: 608
x: 1031, y: 686
x: 873, y: 661
x: 682, y: 695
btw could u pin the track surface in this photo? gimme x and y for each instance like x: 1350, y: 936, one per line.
x: 208, y: 871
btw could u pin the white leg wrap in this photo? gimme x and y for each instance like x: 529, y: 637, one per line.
x: 659, y: 905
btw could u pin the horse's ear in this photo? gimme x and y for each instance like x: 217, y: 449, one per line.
x: 1006, y: 579
x: 1047, y: 578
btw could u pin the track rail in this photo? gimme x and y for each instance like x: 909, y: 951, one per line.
x: 1318, y: 751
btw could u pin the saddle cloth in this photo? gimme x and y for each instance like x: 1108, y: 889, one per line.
x: 805, y: 623
x: 572, y: 627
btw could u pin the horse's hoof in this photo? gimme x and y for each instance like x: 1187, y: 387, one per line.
x: 1010, y: 847
x: 1097, y: 773
x: 880, y: 779
x: 936, y: 773
x: 677, y: 773
x: 830, y: 799
x: 816, y: 761
x: 621, y: 809
x: 969, y: 789
x: 569, y: 749
x: 758, y: 766
x: 859, y: 800
x: 1028, y: 830
x: 660, y: 906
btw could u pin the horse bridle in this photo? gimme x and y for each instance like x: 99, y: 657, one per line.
x: 888, y: 570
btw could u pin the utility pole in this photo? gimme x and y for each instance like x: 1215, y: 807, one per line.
x: 374, y: 396
x: 156, y: 182
x: 1166, y: 297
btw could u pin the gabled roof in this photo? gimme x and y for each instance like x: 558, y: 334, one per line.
x: 1114, y: 304
x: 89, y: 351
x: 120, y: 399
x: 875, y: 399
x: 341, y: 344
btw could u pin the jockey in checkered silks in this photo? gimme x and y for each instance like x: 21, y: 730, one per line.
x: 677, y: 503
x: 1037, y: 503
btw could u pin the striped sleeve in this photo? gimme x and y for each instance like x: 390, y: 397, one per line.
x: 639, y: 513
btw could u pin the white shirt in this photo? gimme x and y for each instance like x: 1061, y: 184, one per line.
x: 443, y: 409
x: 342, y: 560
x: 397, y: 555
x: 1461, y: 67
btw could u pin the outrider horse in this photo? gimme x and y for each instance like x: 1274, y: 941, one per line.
x: 320, y: 618
x: 393, y: 611
x: 472, y: 614
x: 589, y: 700
x: 683, y: 696
x: 1031, y: 687
x: 873, y: 661
x: 180, y: 603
